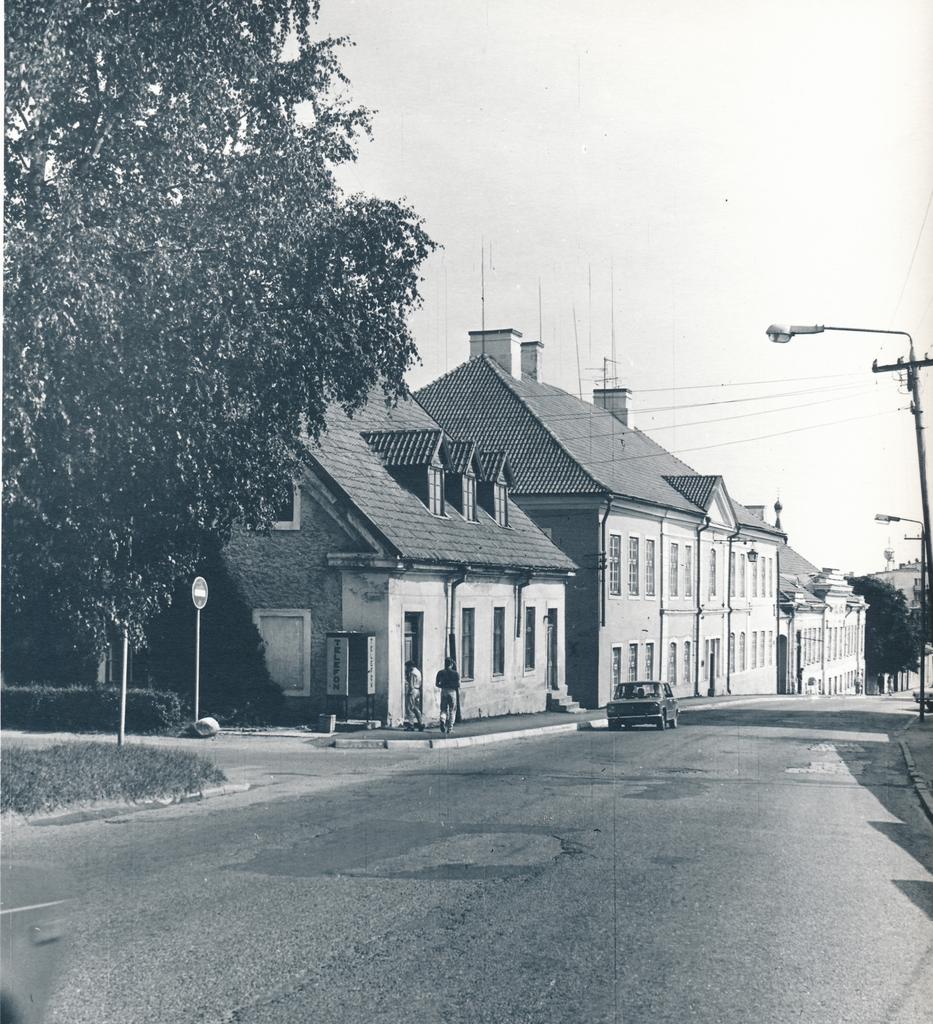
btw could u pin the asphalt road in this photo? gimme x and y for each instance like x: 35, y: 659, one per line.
x: 761, y: 863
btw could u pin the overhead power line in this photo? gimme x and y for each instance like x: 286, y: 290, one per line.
x: 913, y: 256
x: 737, y: 383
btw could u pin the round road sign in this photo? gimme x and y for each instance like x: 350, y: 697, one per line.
x: 199, y: 592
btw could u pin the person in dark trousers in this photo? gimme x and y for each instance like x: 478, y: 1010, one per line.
x: 448, y: 682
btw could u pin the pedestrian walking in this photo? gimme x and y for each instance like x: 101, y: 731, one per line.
x: 414, y: 697
x: 448, y: 682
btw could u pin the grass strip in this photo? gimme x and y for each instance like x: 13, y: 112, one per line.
x: 75, y: 773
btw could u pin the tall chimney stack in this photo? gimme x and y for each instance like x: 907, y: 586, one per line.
x: 532, y: 355
x: 618, y: 401
x: 503, y: 345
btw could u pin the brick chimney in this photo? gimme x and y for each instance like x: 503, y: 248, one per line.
x: 757, y: 510
x: 503, y: 345
x: 618, y: 401
x: 532, y: 357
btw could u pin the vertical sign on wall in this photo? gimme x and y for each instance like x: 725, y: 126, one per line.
x: 370, y: 665
x: 338, y: 666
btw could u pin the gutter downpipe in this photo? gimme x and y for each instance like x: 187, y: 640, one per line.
x: 730, y: 646
x: 519, y: 593
x: 602, y: 563
x: 450, y: 586
x: 699, y: 615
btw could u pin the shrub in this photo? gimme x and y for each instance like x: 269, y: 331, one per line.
x: 73, y: 773
x: 87, y: 709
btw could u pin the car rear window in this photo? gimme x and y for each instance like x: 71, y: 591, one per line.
x: 629, y: 691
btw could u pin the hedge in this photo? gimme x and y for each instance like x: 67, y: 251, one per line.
x: 88, y: 709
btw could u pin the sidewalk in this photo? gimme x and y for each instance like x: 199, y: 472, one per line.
x: 916, y: 741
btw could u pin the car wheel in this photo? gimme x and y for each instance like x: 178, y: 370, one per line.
x: 674, y: 721
x: 614, y: 724
x: 662, y: 721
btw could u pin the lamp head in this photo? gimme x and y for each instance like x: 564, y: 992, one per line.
x: 782, y: 333
x: 881, y: 518
x: 753, y: 556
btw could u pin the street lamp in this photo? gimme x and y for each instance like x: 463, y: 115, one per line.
x: 881, y: 518
x: 782, y: 333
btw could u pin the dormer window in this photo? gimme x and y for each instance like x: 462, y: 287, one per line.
x: 435, y: 491
x: 502, y: 505
x: 469, y: 498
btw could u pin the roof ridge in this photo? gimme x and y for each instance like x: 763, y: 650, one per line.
x: 505, y: 381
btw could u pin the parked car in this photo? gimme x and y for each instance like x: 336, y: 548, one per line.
x: 642, y: 702
x: 33, y: 924
x: 927, y: 698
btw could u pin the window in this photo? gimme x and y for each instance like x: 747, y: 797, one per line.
x: 732, y: 574
x: 649, y: 661
x: 741, y: 575
x: 672, y: 664
x: 742, y: 662
x: 616, y: 667
x: 615, y: 564
x: 649, y: 569
x: 770, y: 646
x: 761, y: 649
x: 498, y: 641
x: 469, y: 498
x: 529, y: 639
x: 287, y: 510
x: 712, y: 572
x: 435, y: 491
x: 732, y: 652
x: 673, y: 574
x: 633, y: 661
x: 688, y: 670
x: 770, y: 577
x: 502, y: 505
x: 633, y: 568
x: 754, y: 651
x: 761, y: 583
x: 754, y: 580
x: 688, y: 572
x: 467, y: 642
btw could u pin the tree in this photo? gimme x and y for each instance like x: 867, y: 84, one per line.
x: 187, y: 287
x: 892, y: 637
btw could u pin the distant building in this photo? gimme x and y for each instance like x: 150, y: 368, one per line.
x: 906, y: 578
x: 403, y: 543
x: 822, y: 630
x: 676, y: 581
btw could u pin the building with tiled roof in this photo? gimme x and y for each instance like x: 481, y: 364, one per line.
x: 403, y: 544
x: 672, y: 571
x: 821, y: 635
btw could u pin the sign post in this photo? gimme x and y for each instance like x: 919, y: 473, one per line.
x: 199, y: 599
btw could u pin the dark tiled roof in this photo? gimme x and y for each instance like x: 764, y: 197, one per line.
x: 494, y: 465
x: 556, y: 443
x: 401, y: 517
x: 405, y: 447
x: 794, y: 564
x: 460, y: 455
x: 696, y: 489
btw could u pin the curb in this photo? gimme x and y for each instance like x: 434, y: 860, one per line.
x: 467, y: 741
x: 92, y: 812
x: 920, y: 783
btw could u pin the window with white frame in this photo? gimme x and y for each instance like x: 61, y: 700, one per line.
x: 672, y: 663
x: 688, y: 571
x: 633, y: 661
x: 649, y: 661
x: 770, y: 577
x: 732, y: 574
x: 761, y: 649
x: 673, y: 572
x: 616, y: 667
x: 502, y: 505
x: 469, y: 498
x: 742, y: 655
x: 754, y: 580
x: 529, y: 639
x: 435, y: 491
x: 770, y: 646
x: 615, y: 564
x: 467, y: 642
x: 287, y: 512
x: 688, y: 663
x: 649, y: 570
x: 498, y: 641
x: 741, y: 575
x: 633, y: 566
x: 712, y: 572
x: 732, y: 652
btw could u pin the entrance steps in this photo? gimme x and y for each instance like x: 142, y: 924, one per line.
x: 560, y: 700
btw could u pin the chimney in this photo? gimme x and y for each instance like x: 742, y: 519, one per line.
x: 532, y: 356
x: 503, y: 345
x: 618, y: 401
x: 757, y: 510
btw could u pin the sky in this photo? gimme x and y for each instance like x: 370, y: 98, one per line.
x: 658, y: 181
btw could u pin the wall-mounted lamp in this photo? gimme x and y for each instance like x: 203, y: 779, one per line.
x: 753, y: 556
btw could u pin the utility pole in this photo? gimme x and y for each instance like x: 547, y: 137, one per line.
x: 911, y: 366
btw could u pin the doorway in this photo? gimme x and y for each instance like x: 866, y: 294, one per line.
x: 413, y: 637
x: 551, y: 661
